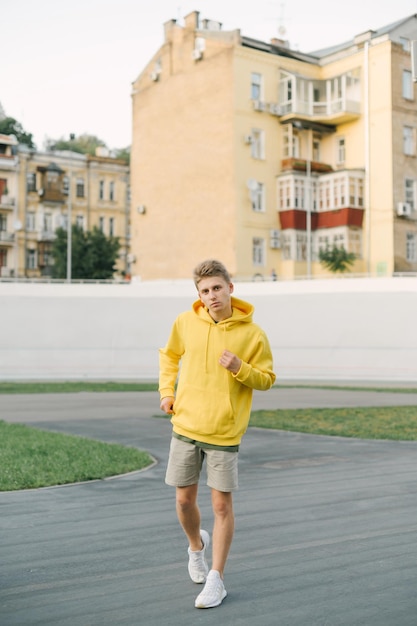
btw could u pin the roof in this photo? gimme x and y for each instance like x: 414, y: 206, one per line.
x: 278, y: 50
x: 347, y: 44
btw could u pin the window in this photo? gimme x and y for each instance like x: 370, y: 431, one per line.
x: 65, y: 185
x: 256, y: 86
x: 411, y: 247
x: 258, y: 251
x: 299, y: 193
x: 339, y: 240
x: 51, y: 180
x: 409, y: 142
x: 79, y: 220
x: 410, y: 192
x: 101, y: 190
x: 291, y: 142
x: 111, y: 191
x: 30, y: 221
x: 111, y: 227
x: 80, y: 188
x: 355, y: 243
x: 3, y: 223
x: 316, y: 149
x: 31, y: 259
x: 3, y: 257
x: 47, y: 222
x: 257, y: 145
x: 301, y: 247
x: 45, y: 256
x: 341, y: 150
x: 295, y: 145
x: 101, y: 224
x: 258, y: 198
x: 31, y: 181
x: 407, y: 85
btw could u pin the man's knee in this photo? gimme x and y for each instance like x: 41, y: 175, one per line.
x: 186, y: 497
x: 222, y: 503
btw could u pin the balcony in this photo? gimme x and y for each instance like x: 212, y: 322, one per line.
x: 7, y: 202
x: 331, y: 101
x: 46, y: 235
x: 300, y: 165
x: 333, y: 113
x: 6, y: 237
x: 297, y: 219
x: 51, y: 195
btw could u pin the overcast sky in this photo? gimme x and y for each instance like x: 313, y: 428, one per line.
x: 66, y: 66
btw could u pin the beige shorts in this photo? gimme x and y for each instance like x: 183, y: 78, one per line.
x: 185, y: 463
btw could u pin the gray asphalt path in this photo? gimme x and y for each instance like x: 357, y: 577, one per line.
x: 325, y: 527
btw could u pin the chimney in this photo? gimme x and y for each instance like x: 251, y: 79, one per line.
x: 192, y: 20
x: 279, y: 43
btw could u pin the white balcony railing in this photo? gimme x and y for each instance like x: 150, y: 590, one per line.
x: 6, y: 237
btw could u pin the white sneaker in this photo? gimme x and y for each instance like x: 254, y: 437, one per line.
x: 197, y: 564
x: 213, y: 593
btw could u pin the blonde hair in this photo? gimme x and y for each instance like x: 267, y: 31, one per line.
x: 208, y: 268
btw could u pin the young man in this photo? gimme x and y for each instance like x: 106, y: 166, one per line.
x: 224, y: 355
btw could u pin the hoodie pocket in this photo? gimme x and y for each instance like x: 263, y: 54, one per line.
x: 205, y: 412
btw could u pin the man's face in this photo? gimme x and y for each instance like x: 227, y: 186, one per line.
x: 215, y: 293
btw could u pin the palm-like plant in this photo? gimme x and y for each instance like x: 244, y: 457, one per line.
x: 337, y: 259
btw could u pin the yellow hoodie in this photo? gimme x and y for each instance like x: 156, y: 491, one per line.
x: 212, y: 405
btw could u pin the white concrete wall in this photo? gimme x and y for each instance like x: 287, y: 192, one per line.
x: 345, y: 329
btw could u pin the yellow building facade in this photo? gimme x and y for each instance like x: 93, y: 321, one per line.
x: 262, y: 156
x: 41, y: 191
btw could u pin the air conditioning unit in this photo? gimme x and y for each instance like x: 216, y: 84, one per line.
x: 142, y: 209
x: 155, y: 76
x: 248, y: 139
x: 258, y: 105
x: 275, y: 239
x: 197, y: 55
x: 131, y: 258
x: 275, y: 109
x: 5, y: 272
x: 403, y: 209
x: 40, y: 192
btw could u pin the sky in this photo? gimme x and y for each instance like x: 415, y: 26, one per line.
x: 67, y: 66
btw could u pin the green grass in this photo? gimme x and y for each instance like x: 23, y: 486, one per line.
x: 73, y: 387
x: 350, y: 388
x: 395, y: 422
x: 32, y: 458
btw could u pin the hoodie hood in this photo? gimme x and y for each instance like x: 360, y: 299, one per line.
x: 241, y: 312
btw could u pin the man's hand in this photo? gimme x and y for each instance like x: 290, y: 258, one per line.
x: 230, y: 361
x: 167, y: 405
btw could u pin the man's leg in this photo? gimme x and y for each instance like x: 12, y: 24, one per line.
x: 224, y: 524
x: 189, y: 514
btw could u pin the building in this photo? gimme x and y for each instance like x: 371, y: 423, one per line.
x: 8, y: 206
x: 39, y: 191
x: 262, y: 155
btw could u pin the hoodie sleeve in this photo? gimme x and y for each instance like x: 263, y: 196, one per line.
x: 169, y: 360
x: 257, y: 372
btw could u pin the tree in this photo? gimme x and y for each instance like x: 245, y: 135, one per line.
x: 123, y: 154
x: 84, y: 144
x: 10, y: 126
x: 93, y: 255
x: 337, y: 259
